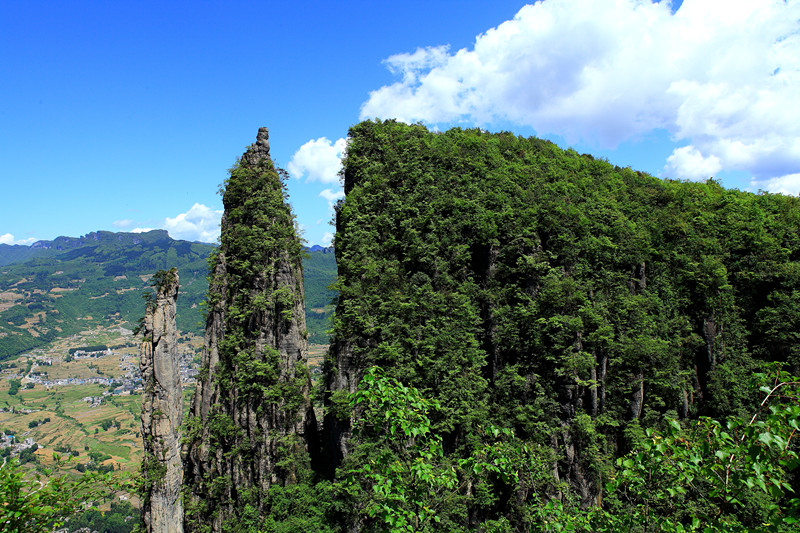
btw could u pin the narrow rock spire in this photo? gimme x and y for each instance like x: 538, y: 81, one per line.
x: 162, y: 410
x: 258, y: 150
x: 251, y: 423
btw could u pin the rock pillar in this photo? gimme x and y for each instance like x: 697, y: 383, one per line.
x: 162, y: 410
x: 252, y: 422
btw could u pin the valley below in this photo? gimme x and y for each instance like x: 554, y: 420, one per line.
x: 72, y: 399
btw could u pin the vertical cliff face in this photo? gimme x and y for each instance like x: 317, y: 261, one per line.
x: 251, y: 423
x: 162, y: 410
x: 535, y: 289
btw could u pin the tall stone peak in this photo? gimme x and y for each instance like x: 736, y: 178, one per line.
x: 258, y: 150
x: 252, y: 421
x: 162, y: 410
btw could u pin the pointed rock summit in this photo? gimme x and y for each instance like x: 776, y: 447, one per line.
x: 258, y: 150
x: 252, y: 424
x: 162, y: 410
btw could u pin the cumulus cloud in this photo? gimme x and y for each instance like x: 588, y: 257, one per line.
x: 720, y: 75
x: 789, y: 184
x: 318, y: 160
x: 332, y: 195
x: 327, y: 237
x: 687, y: 162
x: 200, y: 223
x: 9, y: 239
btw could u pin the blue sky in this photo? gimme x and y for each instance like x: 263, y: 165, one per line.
x: 124, y: 116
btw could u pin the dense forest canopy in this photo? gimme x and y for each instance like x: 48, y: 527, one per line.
x: 553, y: 294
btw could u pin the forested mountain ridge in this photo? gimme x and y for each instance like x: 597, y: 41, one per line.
x: 98, y: 279
x: 19, y: 253
x: 553, y: 294
x: 319, y: 271
x: 56, y: 288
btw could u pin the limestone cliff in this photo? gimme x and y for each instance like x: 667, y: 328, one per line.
x: 162, y: 410
x: 251, y: 423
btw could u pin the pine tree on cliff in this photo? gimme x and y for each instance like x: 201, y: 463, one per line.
x: 251, y: 424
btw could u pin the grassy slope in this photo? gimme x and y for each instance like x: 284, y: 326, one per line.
x: 319, y: 269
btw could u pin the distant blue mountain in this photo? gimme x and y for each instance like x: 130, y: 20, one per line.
x: 318, y: 248
x: 19, y: 253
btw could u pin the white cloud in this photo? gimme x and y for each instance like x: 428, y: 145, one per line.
x: 688, y: 163
x: 141, y: 230
x: 200, y: 223
x: 327, y: 237
x: 8, y: 238
x: 721, y: 75
x: 789, y: 184
x: 318, y: 160
x: 332, y: 195
x: 124, y: 223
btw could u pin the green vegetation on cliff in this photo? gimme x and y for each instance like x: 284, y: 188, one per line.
x: 548, y: 293
x: 251, y: 425
x: 525, y: 339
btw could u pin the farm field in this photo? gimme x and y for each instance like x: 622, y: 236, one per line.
x: 97, y: 422
x: 88, y: 406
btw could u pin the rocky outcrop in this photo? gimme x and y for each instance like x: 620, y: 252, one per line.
x: 258, y: 151
x: 252, y: 424
x: 162, y: 410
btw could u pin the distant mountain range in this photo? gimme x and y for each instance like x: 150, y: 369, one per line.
x: 18, y: 253
x: 56, y: 288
